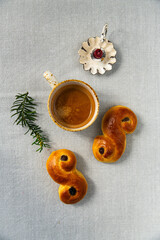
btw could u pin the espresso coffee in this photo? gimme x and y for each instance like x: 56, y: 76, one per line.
x: 73, y: 106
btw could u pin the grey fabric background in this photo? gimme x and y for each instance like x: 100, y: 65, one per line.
x: 123, y: 199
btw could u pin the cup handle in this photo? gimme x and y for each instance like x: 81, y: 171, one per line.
x: 50, y: 79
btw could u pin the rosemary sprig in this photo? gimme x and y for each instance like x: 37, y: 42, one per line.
x: 24, y: 109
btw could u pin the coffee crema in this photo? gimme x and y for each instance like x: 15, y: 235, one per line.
x: 73, y: 106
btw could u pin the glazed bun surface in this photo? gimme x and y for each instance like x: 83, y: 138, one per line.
x: 116, y: 123
x: 61, y: 166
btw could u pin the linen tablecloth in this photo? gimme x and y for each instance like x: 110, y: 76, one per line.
x: 123, y: 199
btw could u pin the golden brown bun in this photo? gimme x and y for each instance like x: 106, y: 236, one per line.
x: 116, y: 123
x: 61, y: 166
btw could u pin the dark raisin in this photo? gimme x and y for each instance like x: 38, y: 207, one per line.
x: 101, y: 150
x: 126, y: 119
x: 72, y: 191
x: 64, y: 158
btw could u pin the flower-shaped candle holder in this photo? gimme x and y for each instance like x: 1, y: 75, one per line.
x: 97, y: 54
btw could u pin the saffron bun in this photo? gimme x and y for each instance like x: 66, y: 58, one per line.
x: 61, y: 166
x: 116, y: 123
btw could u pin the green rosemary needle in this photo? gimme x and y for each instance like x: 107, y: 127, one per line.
x: 24, y: 108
